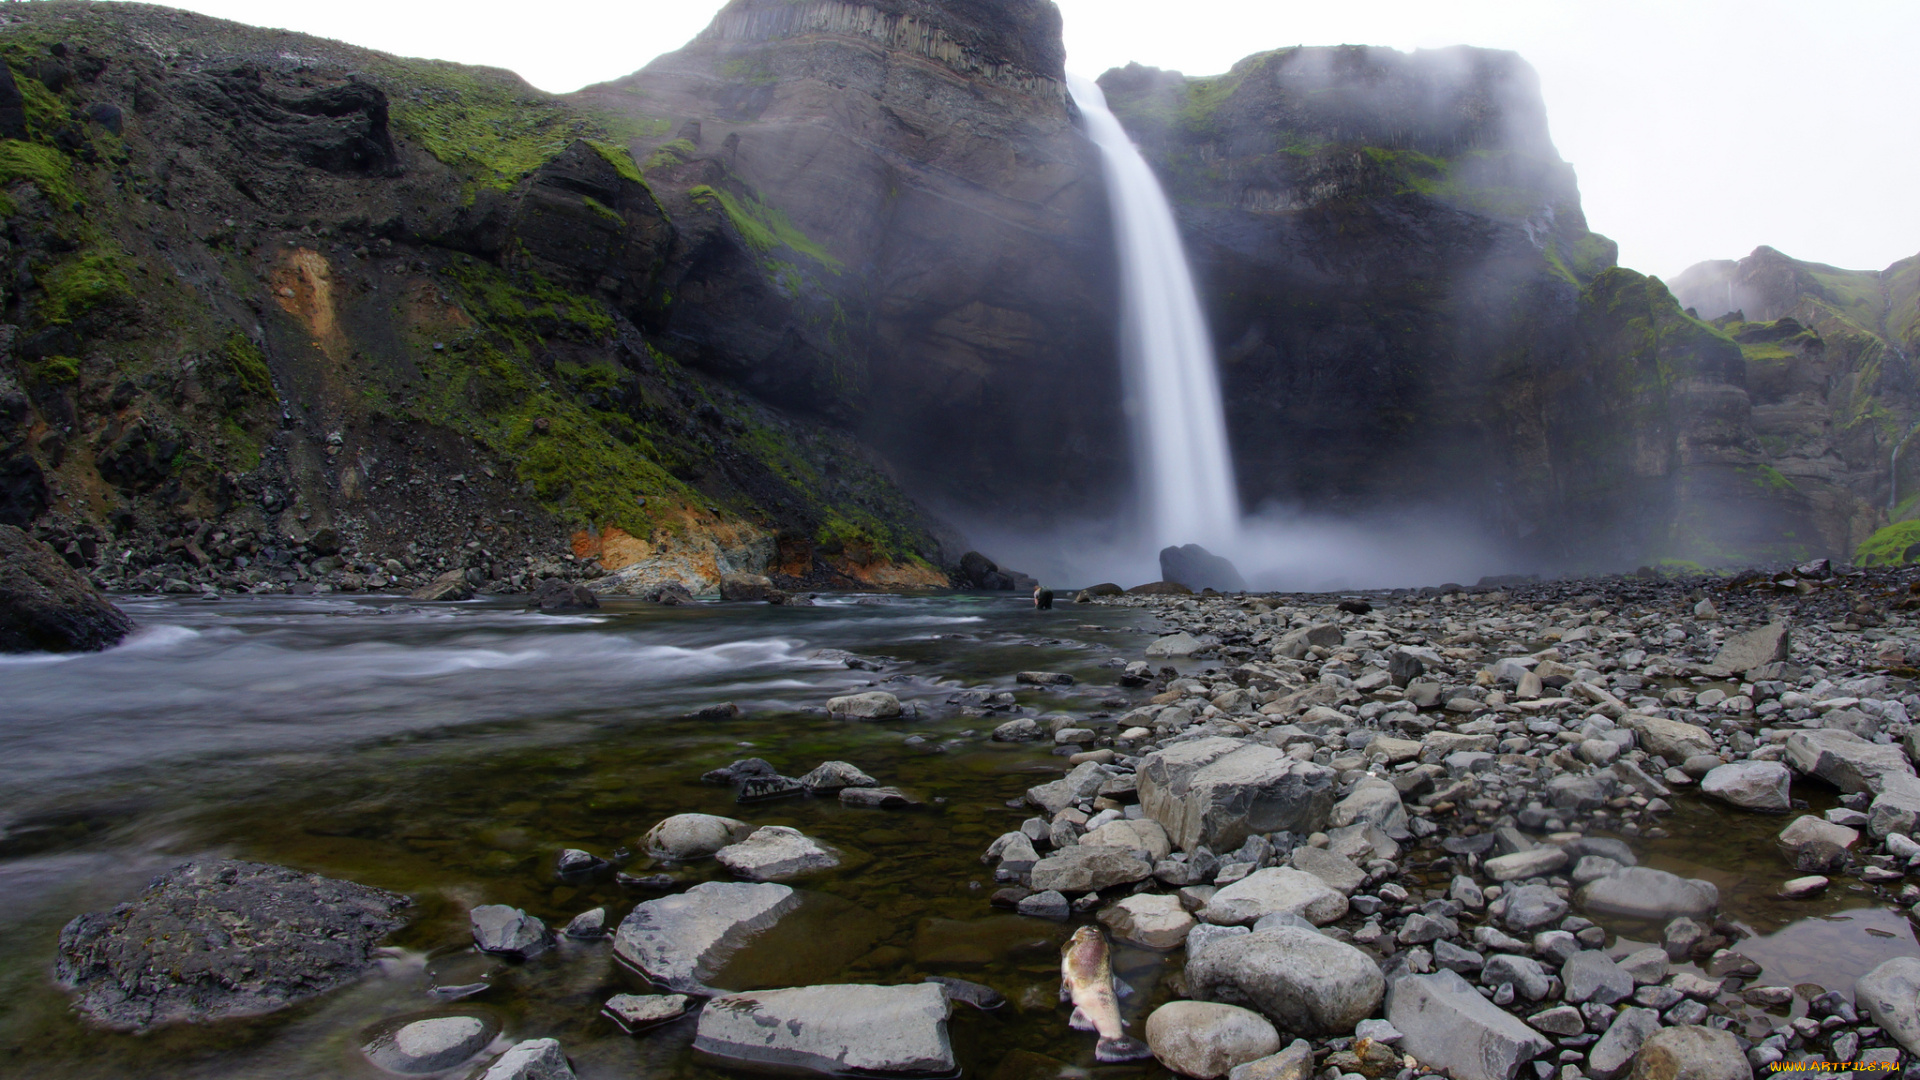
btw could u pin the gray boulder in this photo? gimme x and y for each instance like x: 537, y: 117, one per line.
x: 1302, y: 980
x: 534, y: 1059
x: 1671, y: 739
x: 48, y: 606
x: 1374, y: 802
x: 1276, y: 890
x: 1691, y: 1052
x: 1197, y: 568
x: 1207, y: 1039
x: 678, y: 941
x: 1446, y: 1024
x: 432, y: 1045
x: 1217, y: 792
x: 1895, y: 810
x: 1847, y: 761
x: 1177, y: 646
x: 835, y: 1030
x: 1293, y: 1063
x: 832, y: 776
x: 1890, y: 994
x: 1538, y: 862
x: 638, y: 1012
x: 1082, y: 782
x: 1744, y: 652
x: 1641, y: 892
x: 171, y: 955
x: 872, y: 705
x: 1531, y: 907
x: 1333, y: 868
x: 1750, y: 785
x: 694, y: 836
x: 508, y: 931
x: 1084, y: 868
x: 1593, y: 976
x: 1021, y: 729
x: 1616, y: 1049
x: 775, y: 853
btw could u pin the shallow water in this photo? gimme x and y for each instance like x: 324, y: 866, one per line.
x: 451, y: 751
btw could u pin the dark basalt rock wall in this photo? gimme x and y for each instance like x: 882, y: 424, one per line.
x: 889, y: 219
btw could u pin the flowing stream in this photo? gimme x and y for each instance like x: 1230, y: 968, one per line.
x: 451, y: 751
x: 1172, y: 389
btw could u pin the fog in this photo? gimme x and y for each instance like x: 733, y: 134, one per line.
x: 1278, y: 549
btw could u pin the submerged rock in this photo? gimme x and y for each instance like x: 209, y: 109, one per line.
x: 891, y: 1030
x: 429, y: 1046
x: 1641, y: 892
x: 48, y: 606
x: 508, y: 931
x: 678, y: 941
x: 173, y: 955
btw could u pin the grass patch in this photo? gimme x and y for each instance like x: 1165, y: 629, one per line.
x: 80, y: 283
x: 1889, y: 546
x: 618, y: 157
x: 45, y: 167
x: 764, y: 227
x: 247, y: 364
x: 527, y: 306
x: 53, y: 370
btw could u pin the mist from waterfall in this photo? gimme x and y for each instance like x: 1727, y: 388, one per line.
x: 1179, y: 430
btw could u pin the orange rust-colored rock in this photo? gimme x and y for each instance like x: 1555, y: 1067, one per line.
x: 303, y: 287
x: 696, y: 555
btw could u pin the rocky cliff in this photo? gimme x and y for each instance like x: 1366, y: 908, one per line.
x: 1828, y: 357
x: 280, y: 313
x: 890, y: 221
x: 1413, y: 313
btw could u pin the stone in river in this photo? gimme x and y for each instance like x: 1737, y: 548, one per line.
x: 872, y: 705
x: 1050, y: 904
x: 1217, y: 792
x: 1593, y: 976
x: 1847, y: 761
x: 534, y: 1059
x: 984, y: 998
x: 1815, y: 844
x: 1044, y: 678
x: 1084, y: 868
x: 638, y: 1012
x: 1205, y: 1039
x: 1890, y: 994
x: 1150, y: 920
x: 1280, y: 889
x: 832, y: 776
x: 1750, y: 785
x: 835, y: 1030
x: 1671, y: 739
x: 588, y: 925
x: 1082, y: 782
x: 1691, y: 1052
x: 776, y: 852
x: 1802, y: 887
x: 1174, y: 646
x: 48, y: 606
x: 1302, y: 980
x: 877, y: 798
x: 429, y: 1046
x: 1641, y: 892
x: 694, y: 836
x: 1539, y: 862
x: 1023, y: 729
x: 508, y: 931
x: 170, y: 955
x: 679, y: 941
x: 1446, y: 1024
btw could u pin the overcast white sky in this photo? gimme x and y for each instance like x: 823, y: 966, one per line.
x: 1700, y: 128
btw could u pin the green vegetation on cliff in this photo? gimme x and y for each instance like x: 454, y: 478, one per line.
x: 1894, y: 545
x: 764, y: 228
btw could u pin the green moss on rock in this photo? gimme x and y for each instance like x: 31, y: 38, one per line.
x: 764, y: 228
x: 1895, y: 545
x: 78, y: 284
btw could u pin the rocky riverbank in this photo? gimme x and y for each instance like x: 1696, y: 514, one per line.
x: 1407, y: 835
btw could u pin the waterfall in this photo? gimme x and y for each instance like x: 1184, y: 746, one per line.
x: 1184, y: 469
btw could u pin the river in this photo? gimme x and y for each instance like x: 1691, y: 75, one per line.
x: 451, y: 751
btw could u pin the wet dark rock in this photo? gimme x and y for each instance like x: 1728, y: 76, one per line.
x: 877, y: 798
x: 725, y: 710
x: 768, y: 788
x: 47, y: 606
x: 577, y: 865
x: 173, y: 954
x: 1197, y: 569
x: 979, y: 572
x: 451, y: 585
x: 551, y: 596
x: 985, y: 998
x: 508, y: 931
x: 746, y: 587
x: 831, y: 776
x: 679, y: 941
x: 743, y: 769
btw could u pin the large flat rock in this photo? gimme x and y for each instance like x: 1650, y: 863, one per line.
x: 1846, y: 760
x: 214, y: 940
x: 1302, y: 980
x: 1446, y: 1024
x: 679, y: 941
x: 1641, y: 892
x: 837, y: 1030
x: 1219, y: 791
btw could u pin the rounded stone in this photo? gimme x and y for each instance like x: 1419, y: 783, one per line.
x: 1690, y: 1052
x: 694, y: 836
x: 429, y: 1046
x: 1156, y: 921
x: 1302, y: 980
x: 1206, y: 1039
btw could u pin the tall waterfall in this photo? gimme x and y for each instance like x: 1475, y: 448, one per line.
x: 1172, y: 390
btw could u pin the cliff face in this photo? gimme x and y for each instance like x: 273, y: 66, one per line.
x: 1412, y: 312
x: 889, y: 220
x: 1828, y: 355
x: 279, y: 310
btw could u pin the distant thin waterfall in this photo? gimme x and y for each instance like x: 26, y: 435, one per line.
x: 1173, y: 392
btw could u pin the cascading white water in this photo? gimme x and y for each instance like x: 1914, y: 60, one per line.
x: 1172, y: 390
